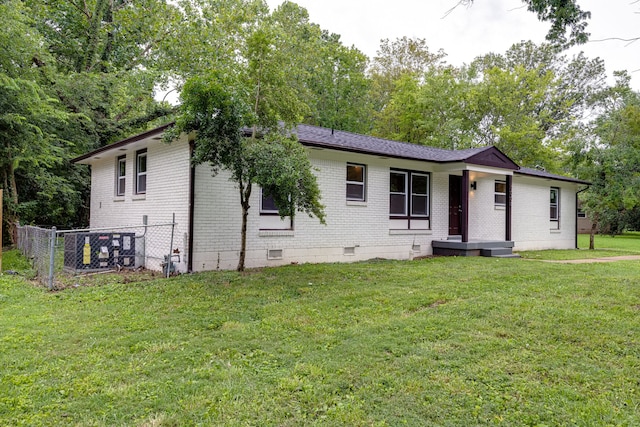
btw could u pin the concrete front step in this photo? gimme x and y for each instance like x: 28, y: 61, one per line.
x: 496, y: 252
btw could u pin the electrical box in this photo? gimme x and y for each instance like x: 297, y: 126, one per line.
x: 99, y: 251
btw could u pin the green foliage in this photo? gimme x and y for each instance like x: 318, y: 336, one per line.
x: 568, y: 20
x: 284, y: 172
x: 443, y: 341
x: 611, y: 161
x: 219, y: 110
x: 14, y: 260
x: 528, y: 102
x: 565, y: 16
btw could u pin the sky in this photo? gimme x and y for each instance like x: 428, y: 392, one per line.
x: 467, y: 32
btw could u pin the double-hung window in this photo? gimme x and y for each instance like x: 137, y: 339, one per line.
x: 554, y: 205
x: 398, y: 188
x: 121, y: 175
x: 141, y: 172
x: 356, y: 187
x: 500, y: 195
x: 419, y: 195
x: 409, y: 199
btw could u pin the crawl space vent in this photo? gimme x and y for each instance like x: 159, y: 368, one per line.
x: 274, y: 254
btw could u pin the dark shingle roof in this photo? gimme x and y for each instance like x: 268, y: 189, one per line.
x: 340, y: 140
x: 315, y: 136
x: 544, y: 174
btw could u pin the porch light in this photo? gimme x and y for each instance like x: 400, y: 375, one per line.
x: 473, y: 185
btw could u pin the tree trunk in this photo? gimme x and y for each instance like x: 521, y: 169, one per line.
x: 245, y: 194
x: 592, y: 235
x: 11, y: 217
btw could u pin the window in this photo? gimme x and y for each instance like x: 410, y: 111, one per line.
x: 267, y: 204
x: 554, y: 204
x: 141, y: 172
x: 500, y: 193
x: 404, y: 184
x: 121, y: 173
x: 398, y: 194
x: 356, y: 182
x: 419, y: 195
x: 581, y: 213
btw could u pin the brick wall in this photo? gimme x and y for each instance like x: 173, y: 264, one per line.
x: 360, y: 227
x: 532, y: 229
x: 167, y: 190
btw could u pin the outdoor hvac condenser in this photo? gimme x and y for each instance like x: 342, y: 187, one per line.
x: 99, y: 251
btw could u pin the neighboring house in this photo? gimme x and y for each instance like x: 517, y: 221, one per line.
x: 383, y: 199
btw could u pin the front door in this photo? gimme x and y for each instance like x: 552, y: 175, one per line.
x: 455, y: 205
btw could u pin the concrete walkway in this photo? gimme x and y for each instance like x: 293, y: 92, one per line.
x: 591, y: 260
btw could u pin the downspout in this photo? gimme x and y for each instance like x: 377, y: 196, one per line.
x: 576, y: 214
x: 192, y: 186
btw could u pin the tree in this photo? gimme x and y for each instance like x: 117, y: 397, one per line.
x: 529, y: 102
x: 31, y: 146
x: 273, y: 160
x: 339, y: 87
x: 565, y: 16
x: 610, y: 159
x: 402, y: 57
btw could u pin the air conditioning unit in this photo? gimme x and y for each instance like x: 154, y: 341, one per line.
x: 99, y: 251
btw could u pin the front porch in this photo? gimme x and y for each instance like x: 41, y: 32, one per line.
x: 454, y: 246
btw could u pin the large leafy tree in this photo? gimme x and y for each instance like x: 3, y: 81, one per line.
x: 31, y: 121
x: 610, y: 159
x: 265, y: 96
x: 529, y: 102
x: 74, y: 76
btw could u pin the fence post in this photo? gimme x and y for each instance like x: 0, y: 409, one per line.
x: 52, y: 256
x: 173, y: 226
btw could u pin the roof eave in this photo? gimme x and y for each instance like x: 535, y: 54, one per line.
x: 554, y: 177
x: 139, y: 137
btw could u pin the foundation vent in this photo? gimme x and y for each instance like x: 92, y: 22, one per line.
x: 351, y: 250
x: 274, y: 254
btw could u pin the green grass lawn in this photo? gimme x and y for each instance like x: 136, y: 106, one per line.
x: 605, y: 246
x: 442, y: 341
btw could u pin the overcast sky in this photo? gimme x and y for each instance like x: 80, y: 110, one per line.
x: 487, y: 26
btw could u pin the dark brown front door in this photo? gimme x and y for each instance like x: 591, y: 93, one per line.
x: 455, y: 205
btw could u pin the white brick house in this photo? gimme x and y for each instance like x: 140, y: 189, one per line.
x: 382, y: 199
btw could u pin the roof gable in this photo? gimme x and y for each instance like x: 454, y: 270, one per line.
x: 492, y: 157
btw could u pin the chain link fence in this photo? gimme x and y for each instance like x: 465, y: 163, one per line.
x: 56, y: 254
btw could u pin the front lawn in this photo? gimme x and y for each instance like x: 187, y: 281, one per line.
x: 605, y: 246
x: 442, y: 341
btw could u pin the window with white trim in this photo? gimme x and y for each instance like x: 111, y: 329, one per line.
x: 121, y: 175
x: 141, y: 172
x: 408, y: 195
x: 554, y: 204
x: 500, y: 193
x: 356, y: 182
